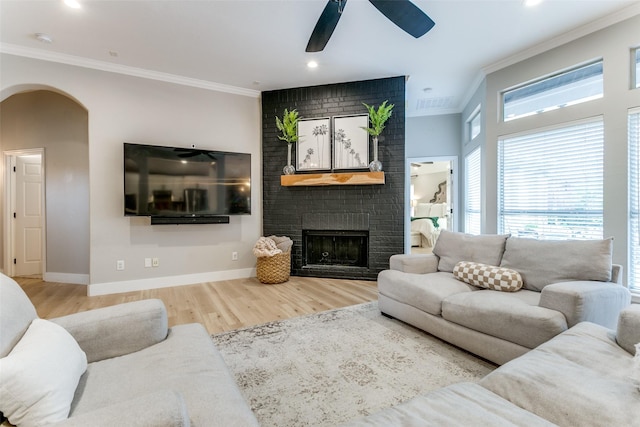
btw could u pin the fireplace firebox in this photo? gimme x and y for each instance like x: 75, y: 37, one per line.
x: 335, y: 248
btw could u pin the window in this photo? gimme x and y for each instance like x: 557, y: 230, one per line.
x: 550, y: 183
x: 568, y: 88
x: 635, y: 67
x: 634, y: 200
x: 472, y: 189
x: 474, y: 124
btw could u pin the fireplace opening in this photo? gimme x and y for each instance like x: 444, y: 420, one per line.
x: 335, y: 248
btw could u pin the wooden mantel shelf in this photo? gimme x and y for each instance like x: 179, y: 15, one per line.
x: 344, y: 178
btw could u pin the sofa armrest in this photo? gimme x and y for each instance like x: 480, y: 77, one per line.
x: 159, y: 409
x: 628, y: 333
x: 592, y: 301
x: 616, y: 274
x: 417, y: 264
x: 117, y: 330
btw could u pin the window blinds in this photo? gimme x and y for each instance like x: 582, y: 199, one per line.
x: 634, y: 200
x: 550, y: 183
x: 472, y: 209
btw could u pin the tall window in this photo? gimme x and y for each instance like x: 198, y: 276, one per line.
x: 634, y: 199
x: 568, y: 88
x: 472, y: 208
x: 474, y: 124
x: 551, y: 182
x: 635, y: 66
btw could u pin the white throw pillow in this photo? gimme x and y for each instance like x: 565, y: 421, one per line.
x: 38, y: 378
x: 438, y: 210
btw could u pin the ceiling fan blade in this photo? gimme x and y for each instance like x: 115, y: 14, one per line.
x: 405, y: 15
x: 325, y: 25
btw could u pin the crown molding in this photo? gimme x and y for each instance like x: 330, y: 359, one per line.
x: 77, y: 61
x: 473, y: 87
x: 569, y: 36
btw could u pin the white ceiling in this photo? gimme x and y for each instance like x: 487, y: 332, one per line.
x: 249, y: 46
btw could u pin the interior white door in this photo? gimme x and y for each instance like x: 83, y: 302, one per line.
x: 28, y: 214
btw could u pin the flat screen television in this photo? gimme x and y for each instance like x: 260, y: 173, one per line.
x: 177, y: 182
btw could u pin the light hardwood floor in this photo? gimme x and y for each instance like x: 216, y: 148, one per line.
x: 219, y: 306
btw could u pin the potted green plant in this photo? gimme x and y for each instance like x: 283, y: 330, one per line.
x: 377, y: 117
x: 288, y: 126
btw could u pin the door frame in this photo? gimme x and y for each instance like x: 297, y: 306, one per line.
x: 9, y: 162
x: 453, y: 203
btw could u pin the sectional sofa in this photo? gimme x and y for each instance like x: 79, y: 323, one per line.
x: 586, y: 376
x: 118, y: 365
x: 499, y: 296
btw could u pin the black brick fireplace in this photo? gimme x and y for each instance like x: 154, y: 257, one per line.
x: 335, y: 241
x: 353, y: 230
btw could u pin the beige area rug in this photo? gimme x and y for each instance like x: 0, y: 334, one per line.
x: 327, y: 368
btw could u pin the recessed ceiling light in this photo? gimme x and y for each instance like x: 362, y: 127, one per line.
x: 531, y: 3
x: 312, y: 64
x: 44, y: 38
x: 73, y: 4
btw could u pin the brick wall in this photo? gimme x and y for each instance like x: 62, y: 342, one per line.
x: 284, y: 207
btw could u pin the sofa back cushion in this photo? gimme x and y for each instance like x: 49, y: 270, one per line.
x: 452, y: 247
x: 16, y: 314
x: 543, y: 262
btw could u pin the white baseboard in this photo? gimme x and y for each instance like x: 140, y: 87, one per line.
x: 95, y: 289
x: 76, y: 279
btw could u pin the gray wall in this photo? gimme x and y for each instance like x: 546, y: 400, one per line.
x: 43, y: 119
x: 432, y: 136
x: 125, y: 108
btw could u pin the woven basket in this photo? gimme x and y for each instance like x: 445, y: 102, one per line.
x: 274, y: 269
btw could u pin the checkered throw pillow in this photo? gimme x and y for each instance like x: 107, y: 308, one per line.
x: 488, y: 276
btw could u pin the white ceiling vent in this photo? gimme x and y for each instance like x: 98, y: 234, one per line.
x: 442, y: 103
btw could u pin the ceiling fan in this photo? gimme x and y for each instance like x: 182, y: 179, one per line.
x: 403, y: 13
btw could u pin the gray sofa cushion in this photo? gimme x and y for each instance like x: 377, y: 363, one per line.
x: 162, y: 408
x: 452, y: 247
x: 579, y: 378
x: 186, y: 362
x: 542, y: 262
x: 422, y: 291
x: 628, y: 334
x: 462, y: 404
x: 512, y: 316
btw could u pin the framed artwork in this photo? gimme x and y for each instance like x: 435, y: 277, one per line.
x: 314, y: 144
x: 350, y: 142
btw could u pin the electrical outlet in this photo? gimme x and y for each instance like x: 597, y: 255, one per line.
x: 155, y: 262
x: 147, y: 263
x: 120, y: 264
x: 234, y: 256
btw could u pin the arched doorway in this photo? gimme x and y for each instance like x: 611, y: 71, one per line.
x: 56, y: 126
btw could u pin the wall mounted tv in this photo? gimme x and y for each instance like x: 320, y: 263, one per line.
x: 177, y: 185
